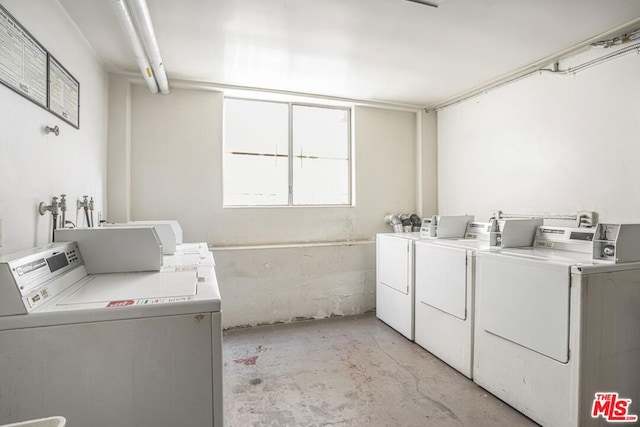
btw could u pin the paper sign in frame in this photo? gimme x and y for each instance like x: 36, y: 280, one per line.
x: 28, y: 37
x: 56, y: 70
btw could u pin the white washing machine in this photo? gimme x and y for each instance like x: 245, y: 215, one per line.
x: 118, y: 349
x: 445, y: 287
x: 558, y: 323
x: 395, y: 269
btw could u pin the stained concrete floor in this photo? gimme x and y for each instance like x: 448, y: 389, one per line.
x: 352, y: 371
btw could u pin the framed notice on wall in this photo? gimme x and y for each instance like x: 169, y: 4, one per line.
x: 64, y: 94
x: 23, y: 61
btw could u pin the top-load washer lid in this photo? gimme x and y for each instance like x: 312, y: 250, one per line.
x: 470, y: 244
x: 187, y: 285
x: 476, y: 237
x: 557, y: 244
x: 169, y: 261
x: 133, y: 286
x: 568, y: 257
x: 580, y: 263
x: 413, y: 235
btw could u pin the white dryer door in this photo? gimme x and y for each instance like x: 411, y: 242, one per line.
x: 525, y: 301
x: 394, y: 262
x: 441, y: 278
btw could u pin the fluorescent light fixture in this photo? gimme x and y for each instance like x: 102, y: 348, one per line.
x: 432, y: 3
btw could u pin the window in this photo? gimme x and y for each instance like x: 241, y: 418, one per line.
x: 286, y: 154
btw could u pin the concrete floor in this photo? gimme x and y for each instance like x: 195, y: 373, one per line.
x: 347, y: 372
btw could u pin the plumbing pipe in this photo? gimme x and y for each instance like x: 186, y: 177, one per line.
x: 582, y: 218
x: 53, y: 208
x: 84, y: 204
x: 86, y: 216
x: 63, y: 210
x: 53, y: 231
x: 127, y: 25
x: 142, y: 17
x: 91, y: 209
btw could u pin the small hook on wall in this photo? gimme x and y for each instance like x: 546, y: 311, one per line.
x: 55, y: 130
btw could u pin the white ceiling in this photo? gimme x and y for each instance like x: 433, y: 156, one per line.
x: 378, y: 50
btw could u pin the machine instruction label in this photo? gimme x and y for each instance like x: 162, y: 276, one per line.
x: 148, y: 301
x: 64, y: 93
x: 122, y: 303
x: 23, y: 61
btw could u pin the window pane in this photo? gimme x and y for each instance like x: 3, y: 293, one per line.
x: 257, y: 161
x: 256, y: 146
x: 320, y: 182
x: 255, y: 180
x: 321, y: 132
x: 256, y: 126
x: 320, y: 156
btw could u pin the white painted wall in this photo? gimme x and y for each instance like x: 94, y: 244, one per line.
x: 283, y: 284
x: 427, y: 176
x: 546, y: 144
x: 176, y: 158
x: 175, y: 167
x: 35, y: 166
x: 119, y: 149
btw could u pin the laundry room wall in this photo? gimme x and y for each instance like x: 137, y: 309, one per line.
x: 35, y: 166
x: 273, y: 264
x: 548, y: 143
x: 427, y: 172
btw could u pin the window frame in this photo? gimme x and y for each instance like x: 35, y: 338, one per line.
x: 290, y: 155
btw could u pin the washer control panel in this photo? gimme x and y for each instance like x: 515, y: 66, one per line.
x: 565, y: 238
x: 27, y: 276
x: 30, y: 274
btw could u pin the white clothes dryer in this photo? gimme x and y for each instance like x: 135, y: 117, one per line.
x: 557, y: 324
x: 445, y: 286
x: 395, y: 269
x: 394, y: 284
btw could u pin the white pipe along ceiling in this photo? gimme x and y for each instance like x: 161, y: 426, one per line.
x: 135, y: 21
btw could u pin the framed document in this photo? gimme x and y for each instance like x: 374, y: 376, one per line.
x: 64, y: 93
x: 23, y: 61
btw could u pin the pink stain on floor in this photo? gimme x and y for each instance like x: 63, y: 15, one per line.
x: 247, y: 362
